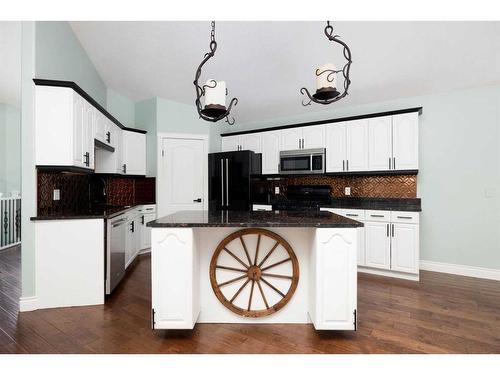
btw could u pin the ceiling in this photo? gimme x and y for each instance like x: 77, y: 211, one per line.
x: 266, y: 63
x: 10, y: 63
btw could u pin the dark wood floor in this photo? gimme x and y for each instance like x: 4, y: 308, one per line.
x: 441, y: 314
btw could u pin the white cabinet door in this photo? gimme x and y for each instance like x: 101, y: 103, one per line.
x: 145, y: 233
x: 78, y: 130
x: 291, y: 139
x: 361, y: 246
x: 88, y: 135
x: 405, y: 141
x: 377, y: 245
x: 314, y: 136
x: 335, y: 147
x: 251, y: 142
x: 380, y: 143
x: 100, y: 122
x: 333, y: 269
x: 405, y: 247
x: 230, y: 143
x: 271, y: 145
x: 134, y: 153
x: 110, y: 132
x: 357, y: 145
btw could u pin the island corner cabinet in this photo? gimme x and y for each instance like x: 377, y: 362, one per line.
x: 254, y: 267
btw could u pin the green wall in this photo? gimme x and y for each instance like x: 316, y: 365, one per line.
x: 146, y: 119
x: 459, y: 176
x: 121, y: 107
x: 60, y: 56
x: 10, y: 149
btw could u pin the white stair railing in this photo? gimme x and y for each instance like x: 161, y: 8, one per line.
x: 10, y: 222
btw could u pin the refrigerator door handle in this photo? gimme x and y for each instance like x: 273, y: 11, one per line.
x: 222, y: 182
x: 227, y: 182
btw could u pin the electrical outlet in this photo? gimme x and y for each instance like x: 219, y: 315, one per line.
x: 57, y: 194
x: 347, y: 191
x: 276, y: 190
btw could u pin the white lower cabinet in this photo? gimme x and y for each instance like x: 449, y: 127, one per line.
x: 389, y: 241
x: 377, y: 245
x: 146, y: 231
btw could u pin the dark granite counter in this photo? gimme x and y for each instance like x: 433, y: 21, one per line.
x: 97, y: 213
x: 312, y: 219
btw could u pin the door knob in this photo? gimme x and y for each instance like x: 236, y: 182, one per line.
x: 197, y: 200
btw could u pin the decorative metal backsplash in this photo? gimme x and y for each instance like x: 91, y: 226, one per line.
x: 388, y: 186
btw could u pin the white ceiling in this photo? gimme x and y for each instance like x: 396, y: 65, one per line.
x: 10, y: 63
x: 266, y: 63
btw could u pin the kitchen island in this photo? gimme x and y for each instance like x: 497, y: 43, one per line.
x: 254, y: 267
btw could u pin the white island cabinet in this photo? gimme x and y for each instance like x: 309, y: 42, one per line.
x: 254, y: 267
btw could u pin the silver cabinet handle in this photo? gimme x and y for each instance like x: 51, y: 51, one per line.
x: 392, y: 230
x: 389, y: 163
x: 394, y: 162
x: 299, y: 142
x: 347, y: 164
x: 343, y: 165
x: 377, y: 215
x: 355, y: 215
x: 227, y: 182
x: 222, y: 181
x: 404, y: 217
x: 387, y: 230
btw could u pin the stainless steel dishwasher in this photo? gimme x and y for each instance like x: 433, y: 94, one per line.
x: 116, y: 234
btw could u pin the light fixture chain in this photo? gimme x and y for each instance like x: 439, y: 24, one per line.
x: 212, y: 33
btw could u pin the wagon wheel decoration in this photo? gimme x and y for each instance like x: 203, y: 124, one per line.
x: 249, y: 280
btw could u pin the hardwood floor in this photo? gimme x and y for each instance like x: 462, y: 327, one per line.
x: 441, y: 314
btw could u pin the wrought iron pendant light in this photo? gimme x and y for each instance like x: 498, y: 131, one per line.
x: 326, y: 76
x: 213, y: 91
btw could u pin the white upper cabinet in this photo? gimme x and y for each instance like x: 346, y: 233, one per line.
x: 63, y: 131
x: 251, y: 142
x: 357, y: 145
x: 134, y: 153
x: 405, y: 141
x: 110, y: 162
x: 271, y: 144
x: 335, y: 147
x: 100, y: 122
x: 231, y: 143
x: 380, y: 143
x: 291, y: 139
x: 313, y: 136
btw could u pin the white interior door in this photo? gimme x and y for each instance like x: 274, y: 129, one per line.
x: 182, y: 174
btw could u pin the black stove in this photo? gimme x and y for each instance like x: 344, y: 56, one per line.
x: 304, y: 197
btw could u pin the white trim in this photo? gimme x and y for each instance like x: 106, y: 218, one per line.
x: 459, y: 269
x: 159, y: 173
x: 389, y: 273
x: 28, y: 303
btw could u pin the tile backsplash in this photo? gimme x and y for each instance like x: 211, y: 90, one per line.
x: 80, y: 192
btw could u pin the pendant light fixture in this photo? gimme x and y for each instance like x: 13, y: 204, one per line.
x: 214, y: 92
x: 326, y: 76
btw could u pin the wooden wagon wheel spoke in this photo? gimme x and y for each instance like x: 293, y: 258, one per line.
x: 257, y: 251
x: 269, y: 253
x: 230, y: 268
x: 235, y: 257
x: 275, y: 275
x: 239, y: 291
x: 276, y: 264
x: 232, y: 280
x: 262, y: 294
x: 253, y: 272
x: 273, y: 287
x: 246, y: 250
x: 251, y: 294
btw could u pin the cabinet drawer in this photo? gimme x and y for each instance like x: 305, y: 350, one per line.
x: 404, y: 217
x: 354, y: 214
x: 377, y: 215
x: 262, y: 207
x: 147, y: 208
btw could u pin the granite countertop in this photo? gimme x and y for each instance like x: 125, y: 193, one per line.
x: 97, y: 213
x: 312, y: 219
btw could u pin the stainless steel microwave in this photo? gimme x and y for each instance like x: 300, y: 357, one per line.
x: 308, y: 161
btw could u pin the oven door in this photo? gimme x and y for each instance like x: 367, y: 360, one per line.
x: 295, y: 164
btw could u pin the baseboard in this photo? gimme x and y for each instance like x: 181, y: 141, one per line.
x: 462, y: 270
x: 28, y: 303
x: 388, y: 273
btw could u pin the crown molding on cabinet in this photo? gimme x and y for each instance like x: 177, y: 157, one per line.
x: 340, y: 119
x: 87, y: 97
